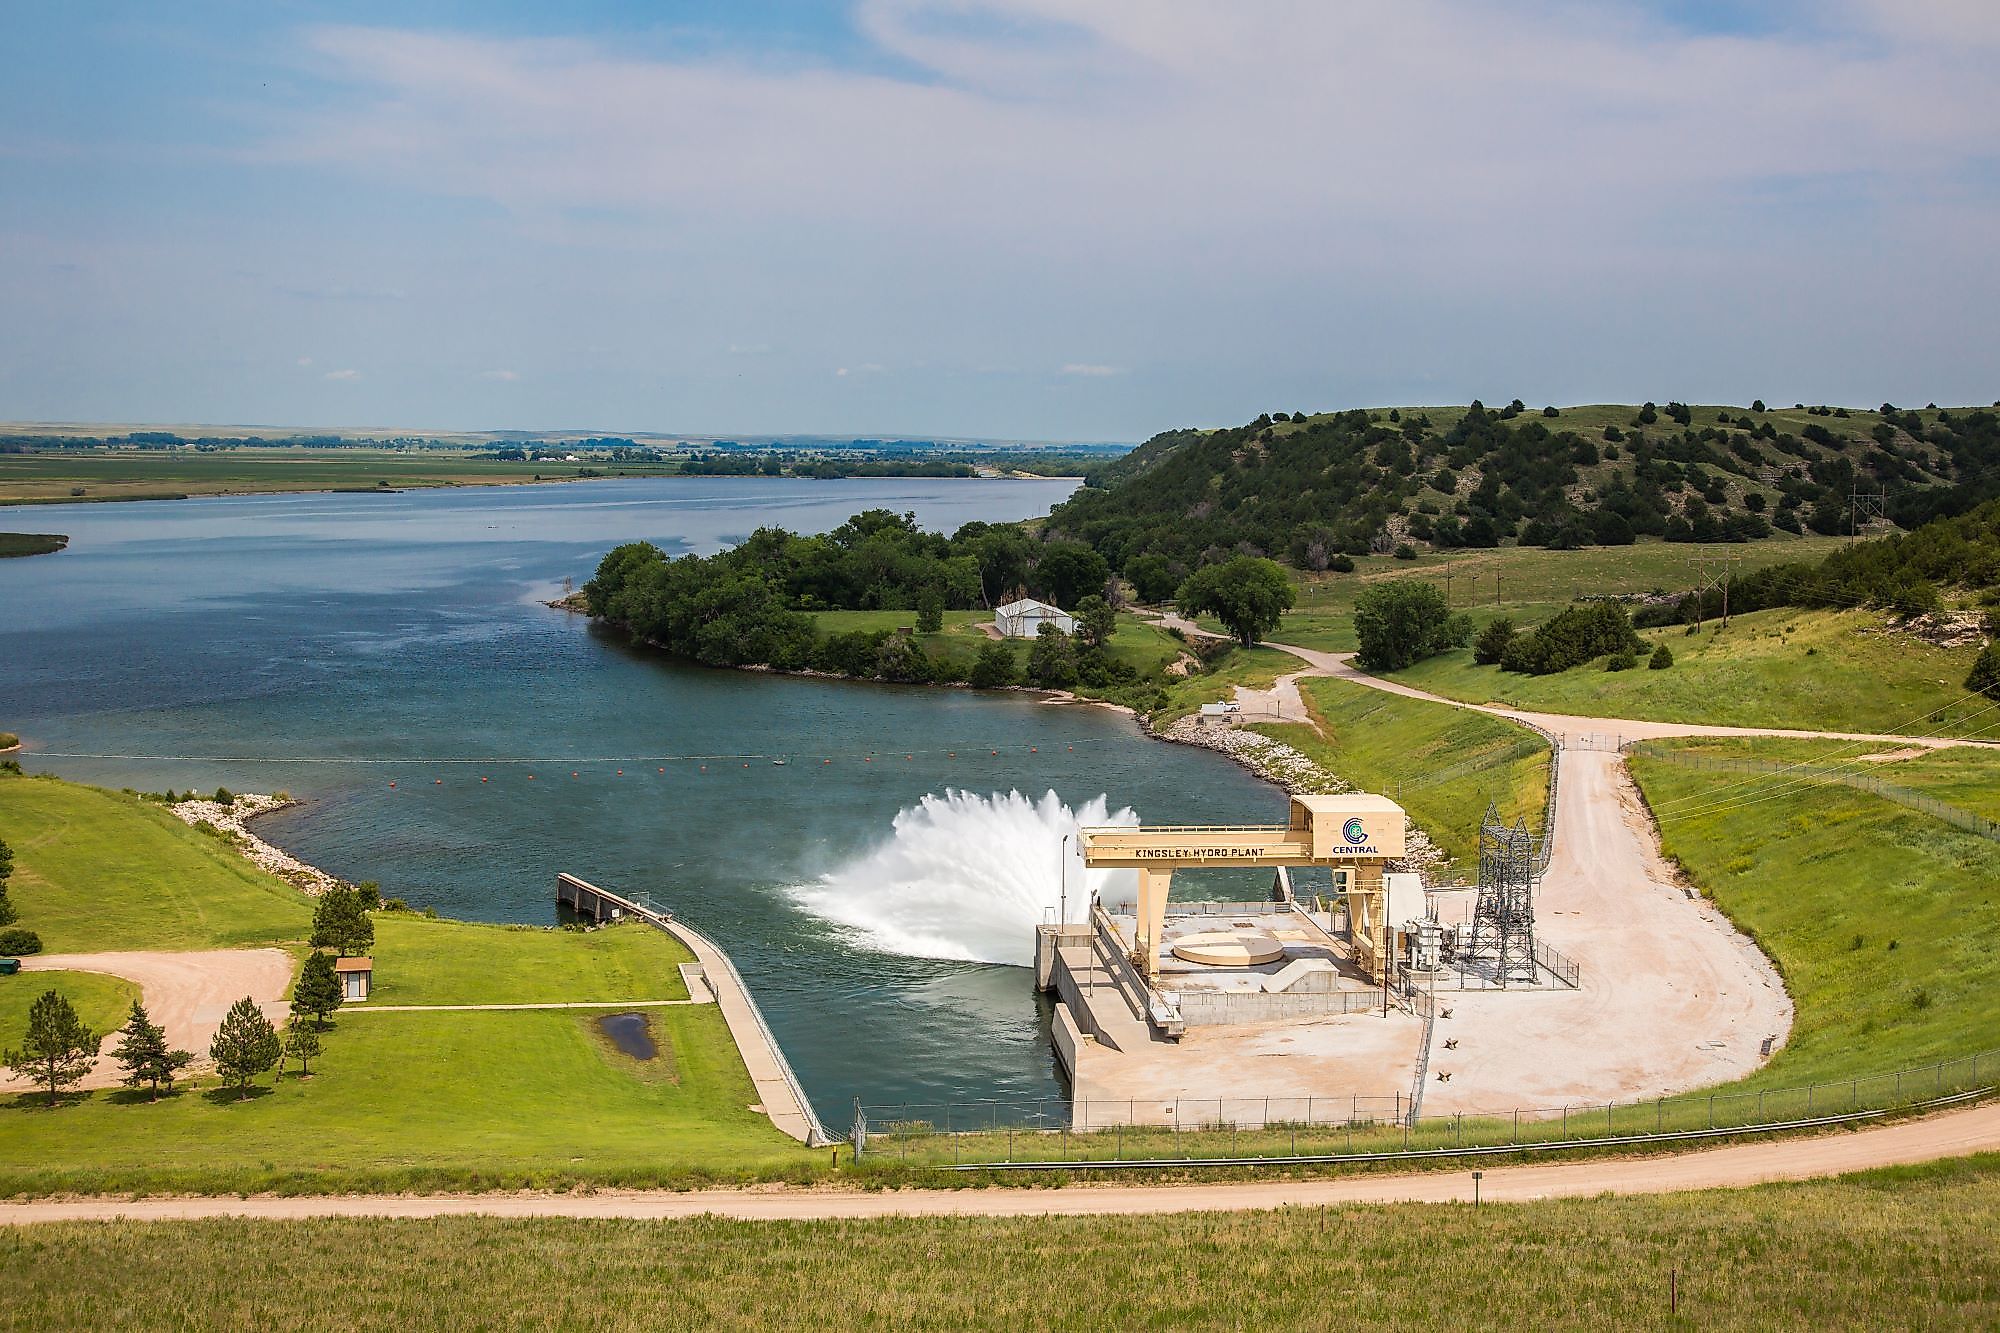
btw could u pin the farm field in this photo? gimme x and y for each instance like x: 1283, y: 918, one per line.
x: 1811, y: 670
x: 66, y: 476
x: 1908, y: 1247
x: 397, y: 1100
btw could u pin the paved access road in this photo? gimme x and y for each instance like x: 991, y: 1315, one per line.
x: 1953, y: 1135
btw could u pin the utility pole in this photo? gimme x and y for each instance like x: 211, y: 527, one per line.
x: 1447, y: 589
x: 1862, y: 507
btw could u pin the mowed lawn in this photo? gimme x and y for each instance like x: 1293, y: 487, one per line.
x: 1443, y: 764
x: 1811, y: 670
x: 425, y: 961
x: 397, y: 1100
x: 97, y: 870
x: 1892, y: 1249
x: 1884, y: 921
x: 101, y: 1002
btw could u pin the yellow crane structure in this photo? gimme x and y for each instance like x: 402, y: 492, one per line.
x: 1353, y: 835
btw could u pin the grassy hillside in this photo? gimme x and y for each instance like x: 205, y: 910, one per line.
x: 1310, y: 488
x: 1884, y: 921
x: 397, y: 1100
x: 1443, y: 764
x: 101, y: 1002
x: 97, y: 869
x: 1905, y: 1248
x: 1815, y: 670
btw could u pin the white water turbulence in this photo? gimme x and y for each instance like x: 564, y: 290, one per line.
x: 969, y: 877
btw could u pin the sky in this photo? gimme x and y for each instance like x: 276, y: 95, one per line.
x: 1025, y: 219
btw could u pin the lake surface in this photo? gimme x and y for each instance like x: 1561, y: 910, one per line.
x: 331, y: 645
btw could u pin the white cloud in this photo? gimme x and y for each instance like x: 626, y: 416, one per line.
x: 505, y: 376
x: 305, y: 361
x: 1085, y: 368
x: 342, y: 375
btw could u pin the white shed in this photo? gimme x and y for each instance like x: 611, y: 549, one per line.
x: 1025, y: 618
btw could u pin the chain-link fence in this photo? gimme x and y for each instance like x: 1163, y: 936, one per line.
x: 1139, y: 1131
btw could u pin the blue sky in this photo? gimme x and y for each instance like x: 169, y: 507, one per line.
x: 1087, y: 219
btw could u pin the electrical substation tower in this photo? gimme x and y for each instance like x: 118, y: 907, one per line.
x: 1503, y: 918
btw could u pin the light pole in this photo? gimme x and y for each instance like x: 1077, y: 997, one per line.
x: 1062, y: 880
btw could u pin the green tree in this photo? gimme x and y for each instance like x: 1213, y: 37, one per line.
x: 1095, y: 621
x: 142, y: 1048
x: 994, y: 667
x: 1152, y: 577
x: 1662, y: 658
x: 1052, y: 661
x: 245, y: 1046
x: 317, y: 991
x: 57, y: 1051
x: 930, y: 611
x: 1249, y: 595
x: 1400, y: 622
x: 1491, y: 645
x: 8, y: 916
x: 340, y: 924
x: 1067, y: 570
x: 1985, y: 677
x: 301, y: 1043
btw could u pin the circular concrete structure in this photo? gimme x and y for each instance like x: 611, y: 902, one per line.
x: 1221, y: 948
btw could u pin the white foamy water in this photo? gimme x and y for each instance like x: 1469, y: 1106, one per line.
x: 968, y: 877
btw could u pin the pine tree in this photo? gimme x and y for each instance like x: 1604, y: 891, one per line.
x: 245, y: 1046
x: 318, y: 990
x: 340, y: 924
x: 7, y: 914
x: 301, y: 1042
x: 58, y: 1049
x: 144, y: 1052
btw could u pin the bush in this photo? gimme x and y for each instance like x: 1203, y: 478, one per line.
x: 994, y: 667
x: 1620, y: 662
x: 1575, y: 636
x: 1491, y: 645
x: 1662, y: 658
x: 1405, y: 551
x: 15, y: 941
x: 1985, y: 677
x: 1402, y: 622
x: 1341, y: 564
x: 223, y: 796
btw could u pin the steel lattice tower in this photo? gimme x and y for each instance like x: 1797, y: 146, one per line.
x: 1503, y: 919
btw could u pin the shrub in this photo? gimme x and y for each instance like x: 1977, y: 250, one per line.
x: 15, y: 941
x: 223, y: 796
x: 1405, y: 551
x: 1575, y: 636
x: 1491, y: 645
x: 1620, y: 662
x: 1662, y: 658
x: 994, y: 667
x: 1341, y: 564
x: 1403, y: 622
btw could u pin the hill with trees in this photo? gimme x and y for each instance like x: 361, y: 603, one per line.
x: 1314, y: 490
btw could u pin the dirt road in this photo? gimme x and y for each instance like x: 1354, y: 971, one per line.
x: 1954, y: 1135
x: 185, y: 993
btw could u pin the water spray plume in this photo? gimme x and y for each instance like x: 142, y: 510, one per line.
x: 968, y: 877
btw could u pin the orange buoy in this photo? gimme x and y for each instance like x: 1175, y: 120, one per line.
x: 392, y: 784
x: 621, y: 772
x: 1034, y: 749
x: 439, y: 782
x: 486, y: 779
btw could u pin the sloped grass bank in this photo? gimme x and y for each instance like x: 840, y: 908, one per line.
x: 1902, y: 1248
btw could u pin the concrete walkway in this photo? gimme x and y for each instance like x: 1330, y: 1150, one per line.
x: 362, y: 1007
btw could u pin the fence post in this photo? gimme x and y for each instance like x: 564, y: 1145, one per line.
x: 1711, y: 1110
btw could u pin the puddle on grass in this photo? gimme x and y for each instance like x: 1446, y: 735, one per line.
x: 630, y: 1033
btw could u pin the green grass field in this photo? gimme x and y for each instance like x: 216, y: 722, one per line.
x: 97, y: 869
x: 1893, y: 1249
x: 1883, y: 921
x: 1252, y: 668
x: 1813, y: 670
x: 425, y: 961
x: 397, y: 1100
x: 101, y: 1002
x: 1441, y: 763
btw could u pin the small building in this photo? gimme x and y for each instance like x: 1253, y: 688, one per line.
x: 1024, y: 619
x: 356, y: 975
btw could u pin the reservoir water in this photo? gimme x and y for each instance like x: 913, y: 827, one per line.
x: 330, y: 645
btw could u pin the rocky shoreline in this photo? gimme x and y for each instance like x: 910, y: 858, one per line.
x: 230, y: 824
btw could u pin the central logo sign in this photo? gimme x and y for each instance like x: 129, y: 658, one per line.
x: 1355, y: 832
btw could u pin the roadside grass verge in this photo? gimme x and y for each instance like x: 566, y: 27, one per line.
x: 425, y: 961
x: 1442, y: 764
x: 1811, y: 670
x: 101, y: 1002
x: 1884, y: 922
x: 97, y: 870
x: 1907, y: 1247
